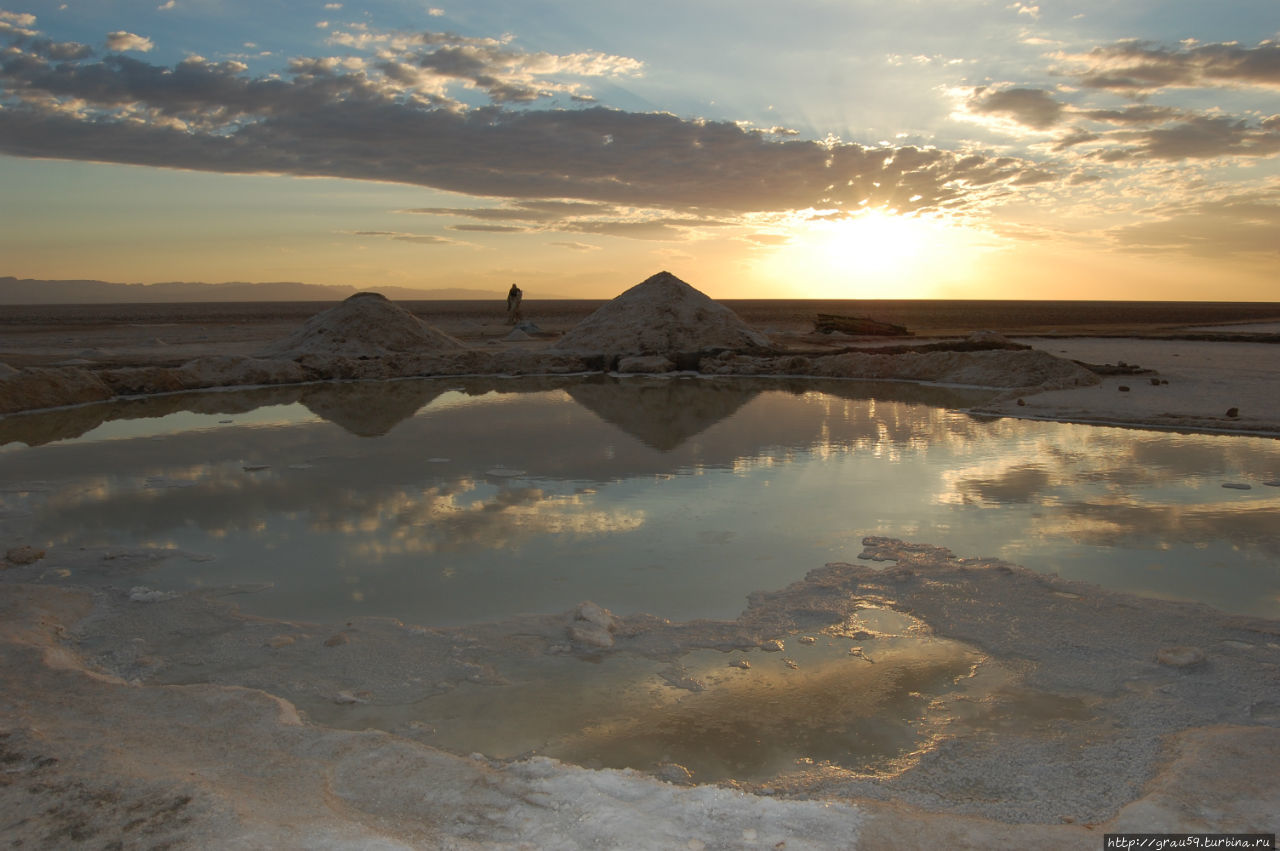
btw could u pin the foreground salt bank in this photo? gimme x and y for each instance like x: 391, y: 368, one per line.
x: 661, y: 325
x: 1119, y: 715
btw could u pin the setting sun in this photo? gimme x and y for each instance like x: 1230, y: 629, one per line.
x: 876, y: 254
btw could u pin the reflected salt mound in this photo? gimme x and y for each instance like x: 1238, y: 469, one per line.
x: 41, y: 427
x: 662, y: 413
x: 370, y: 408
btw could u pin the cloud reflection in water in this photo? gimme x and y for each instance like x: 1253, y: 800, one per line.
x: 677, y: 497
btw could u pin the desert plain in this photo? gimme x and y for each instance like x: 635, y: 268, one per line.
x: 1162, y: 716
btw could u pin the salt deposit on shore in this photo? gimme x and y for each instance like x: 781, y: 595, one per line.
x: 663, y: 324
x: 658, y: 326
x: 1179, y: 384
x: 1080, y: 729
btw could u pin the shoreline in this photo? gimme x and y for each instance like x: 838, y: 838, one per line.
x: 1202, y: 379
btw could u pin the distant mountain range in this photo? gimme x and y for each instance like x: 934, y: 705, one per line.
x: 29, y: 291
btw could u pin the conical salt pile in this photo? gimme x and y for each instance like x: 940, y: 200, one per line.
x: 365, y: 325
x: 662, y: 315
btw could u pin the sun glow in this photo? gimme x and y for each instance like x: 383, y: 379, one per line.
x: 877, y: 254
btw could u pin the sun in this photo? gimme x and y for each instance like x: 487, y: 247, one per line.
x: 875, y: 244
x: 876, y: 254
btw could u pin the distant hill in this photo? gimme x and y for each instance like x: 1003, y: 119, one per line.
x: 30, y: 291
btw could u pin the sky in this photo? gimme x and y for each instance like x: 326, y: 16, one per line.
x: 809, y: 149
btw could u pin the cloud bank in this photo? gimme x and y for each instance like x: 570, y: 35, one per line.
x: 484, y: 118
x: 474, y: 116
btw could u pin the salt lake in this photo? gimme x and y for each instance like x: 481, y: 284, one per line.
x: 447, y: 502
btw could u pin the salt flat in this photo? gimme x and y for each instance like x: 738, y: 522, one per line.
x: 1192, y: 384
x: 1170, y: 710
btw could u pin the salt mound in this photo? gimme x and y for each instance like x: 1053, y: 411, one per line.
x: 365, y: 325
x: 659, y: 316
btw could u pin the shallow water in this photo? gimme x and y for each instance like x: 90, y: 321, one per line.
x: 451, y: 502
x: 456, y: 503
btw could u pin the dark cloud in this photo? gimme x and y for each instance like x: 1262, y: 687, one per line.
x: 1031, y: 177
x: 1035, y: 108
x: 1082, y: 177
x: 575, y: 246
x: 525, y: 211
x: 1138, y: 114
x: 660, y: 229
x: 1139, y: 66
x: 327, y: 118
x: 489, y: 228
x: 1204, y: 137
x: 1190, y: 137
x: 419, y: 238
x: 1077, y: 136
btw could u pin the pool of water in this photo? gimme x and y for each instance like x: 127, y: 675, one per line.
x: 447, y: 502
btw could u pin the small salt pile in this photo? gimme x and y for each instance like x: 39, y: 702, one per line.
x: 365, y: 325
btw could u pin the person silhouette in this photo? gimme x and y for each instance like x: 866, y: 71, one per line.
x: 514, y: 296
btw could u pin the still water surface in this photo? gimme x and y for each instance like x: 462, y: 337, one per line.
x: 445, y: 502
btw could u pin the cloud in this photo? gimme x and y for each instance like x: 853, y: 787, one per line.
x: 418, y: 238
x: 658, y: 229
x: 575, y: 246
x: 1139, y: 133
x: 434, y: 63
x: 122, y: 41
x: 576, y: 217
x: 1240, y: 224
x: 525, y: 211
x: 1197, y: 138
x: 1137, y: 114
x: 1035, y: 108
x: 355, y: 119
x: 17, y: 23
x: 769, y: 238
x: 490, y: 228
x: 1143, y: 67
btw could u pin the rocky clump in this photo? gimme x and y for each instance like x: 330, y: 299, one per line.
x: 365, y: 325
x: 592, y: 626
x: 659, y: 316
x: 22, y: 556
x: 998, y: 367
x: 1180, y: 657
x: 48, y: 387
x: 203, y: 373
